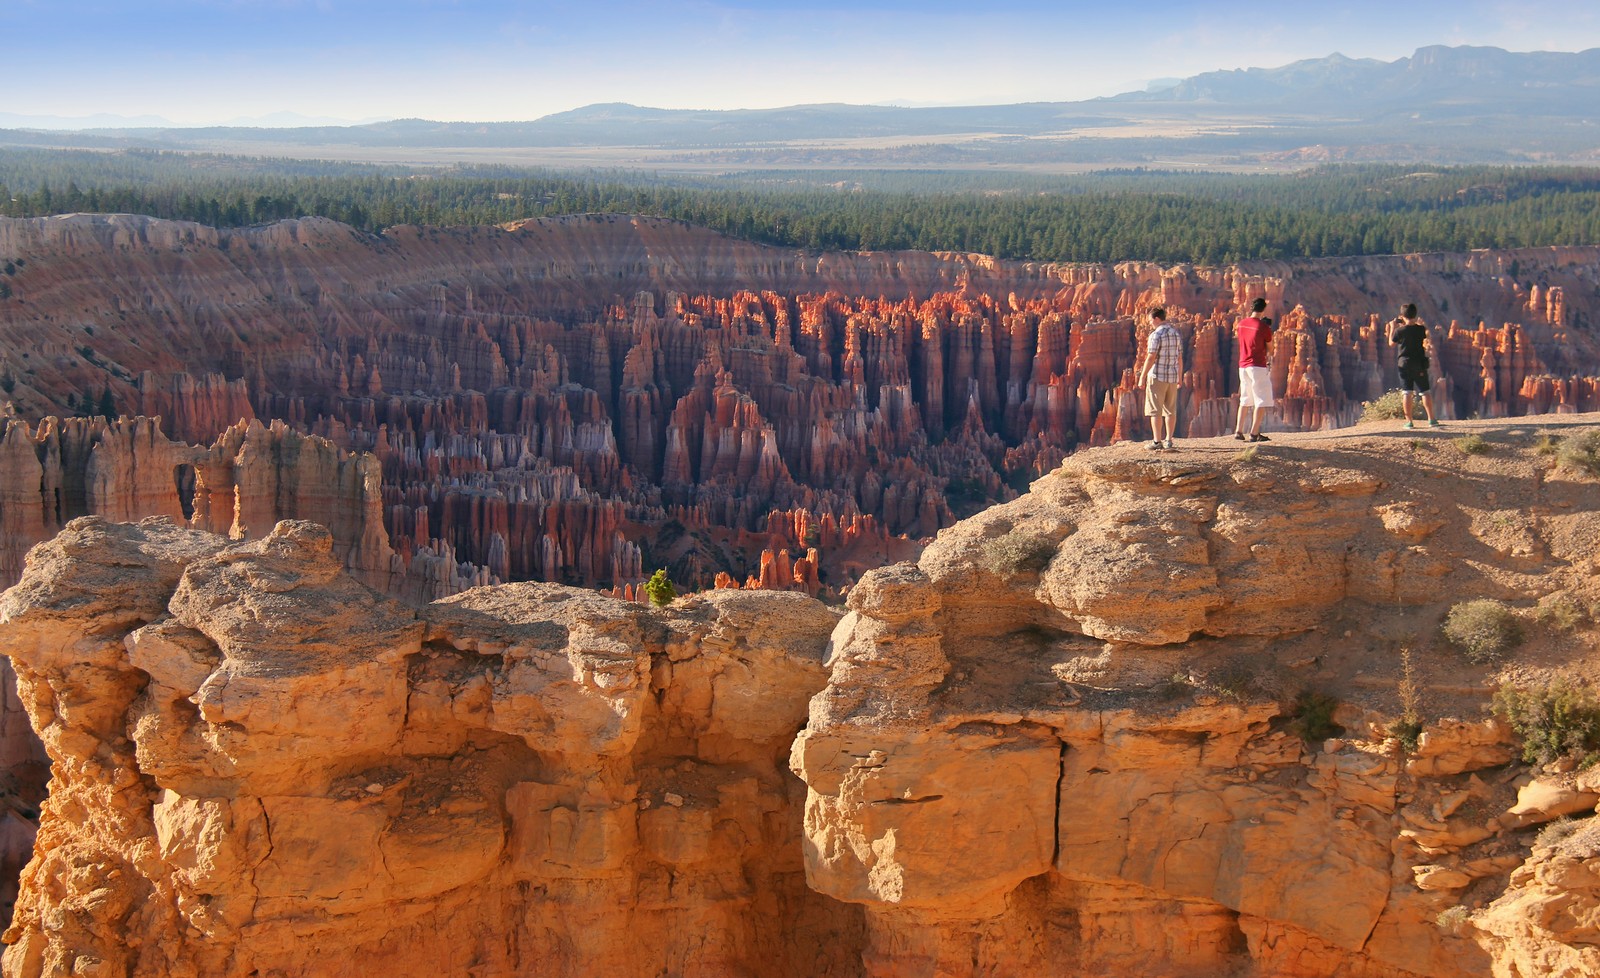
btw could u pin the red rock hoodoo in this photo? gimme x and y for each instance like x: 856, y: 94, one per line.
x: 586, y: 399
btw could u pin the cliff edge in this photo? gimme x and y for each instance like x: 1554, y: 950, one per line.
x: 1147, y: 719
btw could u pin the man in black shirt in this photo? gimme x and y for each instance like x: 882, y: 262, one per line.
x: 1408, y: 333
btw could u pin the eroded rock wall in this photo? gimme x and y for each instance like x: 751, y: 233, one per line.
x: 585, y: 399
x: 263, y: 767
x: 1070, y: 739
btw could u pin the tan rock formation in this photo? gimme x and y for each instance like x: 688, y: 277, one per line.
x: 1068, y: 733
x: 263, y: 767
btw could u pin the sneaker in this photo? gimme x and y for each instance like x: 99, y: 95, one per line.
x: 1410, y: 425
x: 1259, y: 438
x: 1238, y: 436
x: 1170, y: 445
x: 1156, y: 446
x: 1432, y: 423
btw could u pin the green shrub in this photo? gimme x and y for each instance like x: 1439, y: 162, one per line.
x: 1554, y: 721
x: 1248, y: 455
x: 1483, y: 629
x: 1580, y: 453
x: 1471, y: 444
x: 1390, y: 407
x: 1017, y: 552
x: 660, y: 589
x: 1547, y: 443
x: 1313, y: 717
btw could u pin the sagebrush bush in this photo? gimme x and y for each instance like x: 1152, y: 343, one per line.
x: 1554, y: 721
x: 1560, y: 613
x: 1580, y: 453
x: 1471, y: 444
x: 1390, y: 407
x: 1483, y: 629
x: 1017, y: 552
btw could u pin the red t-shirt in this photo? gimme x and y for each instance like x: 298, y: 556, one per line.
x: 1254, y: 340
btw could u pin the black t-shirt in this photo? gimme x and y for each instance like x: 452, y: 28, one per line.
x: 1409, y: 338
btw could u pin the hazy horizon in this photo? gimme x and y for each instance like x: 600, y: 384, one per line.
x: 318, y: 62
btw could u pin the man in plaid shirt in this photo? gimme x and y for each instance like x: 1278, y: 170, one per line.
x: 1163, y: 369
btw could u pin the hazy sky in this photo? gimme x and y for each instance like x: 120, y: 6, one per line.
x: 197, y: 61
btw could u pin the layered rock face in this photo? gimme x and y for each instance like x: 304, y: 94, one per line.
x: 263, y: 767
x: 1078, y: 737
x: 583, y: 400
x: 1069, y: 739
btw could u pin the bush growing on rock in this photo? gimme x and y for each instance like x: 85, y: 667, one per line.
x: 1483, y: 629
x: 660, y: 589
x: 1554, y: 721
x: 1389, y: 407
x: 1313, y: 716
x: 1471, y: 445
x: 1017, y: 552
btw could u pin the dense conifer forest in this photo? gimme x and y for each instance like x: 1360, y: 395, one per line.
x: 1110, y: 215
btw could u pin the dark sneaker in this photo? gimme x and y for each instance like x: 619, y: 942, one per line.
x: 1259, y: 438
x: 1238, y: 436
x: 1170, y: 445
x: 1156, y: 446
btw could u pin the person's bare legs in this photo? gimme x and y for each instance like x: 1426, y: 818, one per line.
x: 1405, y: 398
x: 1238, y: 426
x: 1427, y: 405
x: 1255, y: 427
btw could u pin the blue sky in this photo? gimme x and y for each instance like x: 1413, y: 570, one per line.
x: 199, y: 61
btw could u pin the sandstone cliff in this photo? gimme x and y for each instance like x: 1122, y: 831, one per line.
x: 266, y: 768
x: 583, y: 400
x: 1071, y: 740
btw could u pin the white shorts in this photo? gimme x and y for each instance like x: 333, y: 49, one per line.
x: 1255, y: 387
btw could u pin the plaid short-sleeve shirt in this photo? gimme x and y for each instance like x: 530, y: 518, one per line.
x: 1166, y: 346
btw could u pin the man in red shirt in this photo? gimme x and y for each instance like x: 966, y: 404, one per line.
x: 1253, y: 335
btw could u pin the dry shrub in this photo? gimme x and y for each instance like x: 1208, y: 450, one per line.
x: 1580, y: 453
x: 1017, y: 552
x: 1483, y: 629
x: 1389, y: 407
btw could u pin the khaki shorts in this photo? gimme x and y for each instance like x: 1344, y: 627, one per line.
x: 1161, y: 397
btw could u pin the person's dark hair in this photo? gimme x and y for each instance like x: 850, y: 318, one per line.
x: 1260, y: 305
x: 1410, y: 311
x: 1160, y: 313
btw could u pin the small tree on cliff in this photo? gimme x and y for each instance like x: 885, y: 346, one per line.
x: 660, y: 589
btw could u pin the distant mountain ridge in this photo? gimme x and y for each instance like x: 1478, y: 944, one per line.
x: 1441, y: 104
x: 1482, y: 77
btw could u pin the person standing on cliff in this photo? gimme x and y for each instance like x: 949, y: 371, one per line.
x: 1253, y: 335
x: 1163, y: 369
x: 1410, y: 334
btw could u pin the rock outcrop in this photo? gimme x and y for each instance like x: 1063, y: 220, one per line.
x: 586, y: 399
x: 1095, y: 730
x: 263, y: 767
x: 1075, y: 737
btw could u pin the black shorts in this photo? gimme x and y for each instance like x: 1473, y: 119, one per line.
x: 1414, y: 375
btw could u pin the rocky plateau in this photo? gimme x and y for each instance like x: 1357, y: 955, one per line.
x: 1069, y: 739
